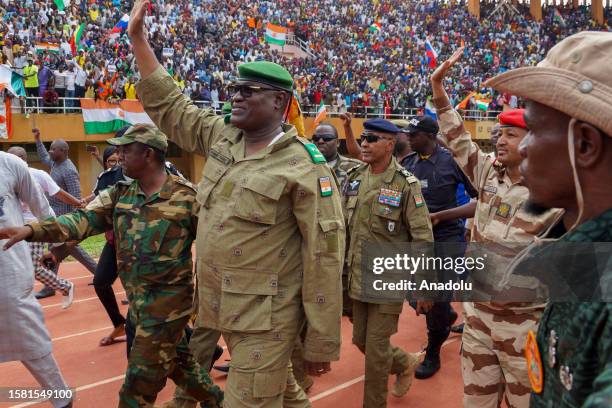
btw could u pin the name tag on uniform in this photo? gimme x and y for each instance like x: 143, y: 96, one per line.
x: 352, y: 188
x: 424, y: 183
x: 219, y: 156
x: 325, y: 186
x: 490, y: 189
x: 390, y: 197
x: 503, y: 210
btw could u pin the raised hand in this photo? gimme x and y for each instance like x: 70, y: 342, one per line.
x: 36, y: 134
x: 347, y: 118
x: 136, y: 25
x: 441, y: 71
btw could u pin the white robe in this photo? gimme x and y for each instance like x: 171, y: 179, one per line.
x: 24, y: 335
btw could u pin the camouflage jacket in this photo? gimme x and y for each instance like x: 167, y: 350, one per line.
x: 341, y: 167
x: 270, y: 226
x: 373, y: 216
x: 153, y: 238
x: 575, y: 340
x: 500, y: 220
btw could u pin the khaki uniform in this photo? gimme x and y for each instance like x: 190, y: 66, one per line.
x: 369, y: 220
x: 270, y: 231
x: 494, y: 335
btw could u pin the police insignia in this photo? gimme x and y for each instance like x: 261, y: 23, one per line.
x: 325, y: 186
x: 534, y: 363
x: 390, y: 197
x: 418, y: 200
x: 352, y: 188
x: 424, y: 183
x: 503, y: 210
x: 391, y: 226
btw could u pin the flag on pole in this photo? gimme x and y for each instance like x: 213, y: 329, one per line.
x: 482, y: 105
x: 120, y: 27
x: 321, y: 115
x: 295, y: 116
x: 11, y: 81
x: 276, y: 34
x: 375, y: 27
x: 49, y: 47
x: 62, y: 4
x: 76, y: 38
x: 464, y: 103
x: 558, y: 17
x: 432, y: 55
x: 103, y: 117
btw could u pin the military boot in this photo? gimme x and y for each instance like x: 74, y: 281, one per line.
x: 403, y: 381
x: 431, y: 363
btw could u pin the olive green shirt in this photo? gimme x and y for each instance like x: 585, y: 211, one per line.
x: 270, y: 240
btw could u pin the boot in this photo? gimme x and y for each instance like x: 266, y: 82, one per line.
x: 431, y: 363
x: 45, y: 293
x: 404, y: 380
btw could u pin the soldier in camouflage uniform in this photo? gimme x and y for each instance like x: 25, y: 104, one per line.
x: 383, y: 203
x: 270, y: 229
x: 570, y: 363
x: 154, y: 221
x: 494, y: 335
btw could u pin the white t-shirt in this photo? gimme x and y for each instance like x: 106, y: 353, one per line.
x: 47, y: 185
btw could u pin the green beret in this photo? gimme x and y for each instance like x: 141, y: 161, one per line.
x: 266, y: 72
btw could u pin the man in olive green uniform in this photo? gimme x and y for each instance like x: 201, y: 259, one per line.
x: 270, y: 227
x: 570, y: 363
x: 154, y: 220
x: 383, y: 204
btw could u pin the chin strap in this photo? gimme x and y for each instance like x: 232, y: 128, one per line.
x: 572, y: 157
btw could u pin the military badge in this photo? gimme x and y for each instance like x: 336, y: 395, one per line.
x: 418, y: 200
x: 566, y: 377
x: 352, y: 188
x: 390, y: 197
x: 490, y: 189
x: 552, y: 349
x: 391, y: 226
x: 424, y: 183
x: 325, y: 186
x: 534, y: 363
x: 503, y: 210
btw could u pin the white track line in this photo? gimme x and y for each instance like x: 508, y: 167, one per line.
x: 82, y: 333
x: 336, y: 389
x: 80, y: 300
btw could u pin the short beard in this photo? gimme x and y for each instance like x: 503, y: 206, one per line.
x: 535, y: 209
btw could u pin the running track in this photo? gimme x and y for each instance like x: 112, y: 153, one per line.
x: 97, y: 372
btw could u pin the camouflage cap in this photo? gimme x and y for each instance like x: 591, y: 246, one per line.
x: 266, y: 72
x: 142, y: 133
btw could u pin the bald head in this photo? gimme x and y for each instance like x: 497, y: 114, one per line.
x: 59, y: 150
x: 19, y: 152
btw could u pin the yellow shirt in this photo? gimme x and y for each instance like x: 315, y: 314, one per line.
x: 130, y: 91
x: 32, y: 81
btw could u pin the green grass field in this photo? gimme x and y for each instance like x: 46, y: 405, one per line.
x: 93, y: 245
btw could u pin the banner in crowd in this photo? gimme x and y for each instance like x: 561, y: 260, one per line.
x: 6, y: 122
x: 276, y: 34
x: 45, y: 46
x: 75, y: 39
x: 11, y: 81
x: 105, y: 117
x: 62, y: 4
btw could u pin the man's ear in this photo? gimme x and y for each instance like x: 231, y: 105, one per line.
x: 589, y: 144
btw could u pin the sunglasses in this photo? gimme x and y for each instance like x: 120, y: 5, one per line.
x: 248, y: 90
x: 371, y: 138
x: 325, y: 138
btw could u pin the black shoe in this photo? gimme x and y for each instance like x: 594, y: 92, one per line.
x: 217, y: 355
x: 458, y: 328
x: 45, y: 293
x: 427, y: 368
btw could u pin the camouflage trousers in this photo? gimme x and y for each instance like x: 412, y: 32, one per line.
x: 261, y: 375
x: 160, y: 352
x: 493, y: 357
x: 373, y: 326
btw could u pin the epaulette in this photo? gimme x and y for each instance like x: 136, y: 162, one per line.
x: 352, y: 169
x: 409, y: 176
x: 313, y: 151
x: 184, y: 182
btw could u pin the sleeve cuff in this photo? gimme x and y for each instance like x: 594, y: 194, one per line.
x: 321, y: 350
x: 37, y: 232
x: 156, y: 86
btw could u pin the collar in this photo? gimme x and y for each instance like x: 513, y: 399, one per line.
x: 433, y: 157
x: 598, y: 229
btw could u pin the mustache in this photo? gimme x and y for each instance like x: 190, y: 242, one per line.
x: 534, y: 208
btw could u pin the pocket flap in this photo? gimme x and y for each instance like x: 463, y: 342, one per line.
x: 249, y: 282
x: 330, y: 225
x: 271, y: 187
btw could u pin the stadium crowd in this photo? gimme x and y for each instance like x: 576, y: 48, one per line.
x: 357, y: 64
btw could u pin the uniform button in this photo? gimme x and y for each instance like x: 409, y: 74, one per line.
x: 237, y: 252
x: 301, y: 193
x: 320, y: 299
x: 215, y: 306
x: 256, y: 218
x: 236, y: 318
x: 256, y: 355
x: 283, y: 253
x: 221, y: 227
x: 585, y: 86
x: 273, y: 283
x: 293, y: 162
x: 227, y: 281
x: 277, y: 336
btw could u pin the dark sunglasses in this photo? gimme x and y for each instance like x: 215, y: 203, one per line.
x: 248, y: 90
x: 325, y: 138
x: 371, y: 138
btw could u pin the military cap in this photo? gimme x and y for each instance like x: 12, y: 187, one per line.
x: 400, y: 123
x: 142, y: 133
x: 512, y: 118
x: 424, y: 123
x: 226, y: 110
x: 266, y: 72
x: 380, y: 125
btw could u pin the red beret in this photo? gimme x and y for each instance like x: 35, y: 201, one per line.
x: 513, y: 118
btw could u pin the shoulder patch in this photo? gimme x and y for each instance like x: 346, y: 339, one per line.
x: 409, y: 176
x: 313, y: 151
